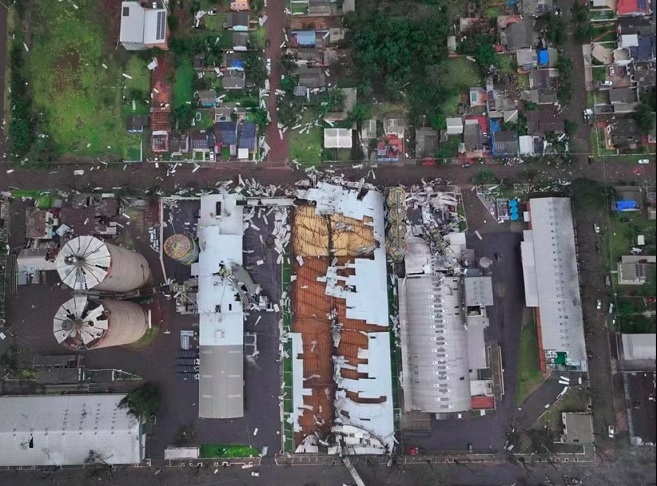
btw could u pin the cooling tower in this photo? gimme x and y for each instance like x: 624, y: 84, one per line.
x: 181, y: 248
x: 81, y: 323
x: 86, y: 263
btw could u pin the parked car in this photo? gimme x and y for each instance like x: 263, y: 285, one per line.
x: 606, y: 84
x: 598, y: 305
x: 611, y: 431
x: 268, y: 67
x: 644, y: 161
x: 596, y: 228
x: 588, y: 115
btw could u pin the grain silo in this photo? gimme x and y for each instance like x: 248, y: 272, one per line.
x: 181, y: 248
x: 86, y: 263
x: 82, y: 323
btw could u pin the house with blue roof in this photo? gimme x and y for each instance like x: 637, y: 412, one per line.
x: 247, y: 140
x: 225, y: 134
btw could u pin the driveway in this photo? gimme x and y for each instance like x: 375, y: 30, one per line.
x: 276, y: 22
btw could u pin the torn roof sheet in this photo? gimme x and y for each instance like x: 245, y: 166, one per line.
x: 298, y: 391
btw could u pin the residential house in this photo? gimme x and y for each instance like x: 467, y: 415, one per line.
x: 308, y: 38
x: 645, y: 48
x: 636, y: 26
x: 240, y: 41
x: 311, y: 77
x: 337, y: 138
x: 199, y: 62
x: 348, y: 6
x: 622, y: 133
x: 535, y: 8
x: 603, y: 5
x: 519, y: 35
x: 246, y: 142
x: 239, y: 5
x: 309, y: 56
x: 473, y: 139
x: 233, y: 79
x: 143, y: 27
x: 319, y: 8
x: 368, y: 130
x: 539, y: 96
x: 526, y: 59
x: 350, y: 97
x: 623, y: 100
x: 394, y: 126
x: 454, y: 126
x: 577, y: 428
x: 136, y: 123
x: 632, y: 8
x: 504, y: 144
x: 225, y: 133
x: 636, y: 269
x: 161, y: 95
x: 226, y: 110
x: 543, y: 78
x: 426, y: 142
x: 178, y: 143
x: 39, y: 224
x: 545, y: 120
x: 207, y: 98
x: 390, y: 148
x: 238, y: 21
x: 233, y: 60
x: 645, y: 74
x: 199, y: 143
x: 526, y: 145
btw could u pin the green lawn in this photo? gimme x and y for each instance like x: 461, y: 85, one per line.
x: 81, y: 101
x: 529, y: 373
x: 623, y: 233
x: 220, y: 450
x: 599, y: 74
x: 575, y: 400
x: 598, y: 143
x: 43, y: 199
x: 183, y: 86
x: 462, y: 74
x: 146, y: 339
x: 306, y: 149
x: 523, y: 81
x: 207, y: 119
x: 258, y: 37
x: 507, y: 63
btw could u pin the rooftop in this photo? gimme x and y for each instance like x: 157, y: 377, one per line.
x: 639, y: 346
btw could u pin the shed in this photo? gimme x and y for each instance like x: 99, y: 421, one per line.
x: 238, y: 21
x: 207, y: 98
x: 136, y: 123
x: 526, y: 144
x: 240, y: 41
x: 454, y: 126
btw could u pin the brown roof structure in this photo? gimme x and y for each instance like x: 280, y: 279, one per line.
x: 545, y: 120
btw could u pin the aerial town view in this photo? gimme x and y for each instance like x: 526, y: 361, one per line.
x: 328, y: 242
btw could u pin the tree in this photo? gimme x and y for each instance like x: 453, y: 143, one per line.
x: 182, y: 116
x: 260, y: 117
x: 288, y: 84
x: 255, y: 69
x: 486, y: 57
x: 143, y: 402
x: 360, y: 113
x: 439, y: 122
x: 570, y: 128
x: 644, y: 118
x: 626, y: 308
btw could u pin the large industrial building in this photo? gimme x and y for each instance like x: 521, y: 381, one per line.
x: 342, y: 397
x: 549, y: 263
x: 68, y: 430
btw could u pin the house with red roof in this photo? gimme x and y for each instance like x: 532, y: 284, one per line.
x: 161, y: 95
x: 632, y: 8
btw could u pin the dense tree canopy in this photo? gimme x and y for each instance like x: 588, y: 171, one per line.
x: 394, y: 57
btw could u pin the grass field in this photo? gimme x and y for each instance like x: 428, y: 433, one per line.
x: 507, y: 64
x: 463, y: 74
x: 529, y: 373
x: 81, y: 101
x: 183, y: 86
x: 219, y: 450
x: 306, y: 149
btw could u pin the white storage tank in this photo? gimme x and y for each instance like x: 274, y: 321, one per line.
x: 82, y: 323
x: 86, y: 263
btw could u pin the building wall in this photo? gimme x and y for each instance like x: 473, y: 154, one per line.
x: 128, y: 271
x: 128, y: 322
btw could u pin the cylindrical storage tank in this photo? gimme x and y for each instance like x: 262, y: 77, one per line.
x: 86, y: 262
x: 81, y: 323
x: 181, y: 248
x: 485, y: 262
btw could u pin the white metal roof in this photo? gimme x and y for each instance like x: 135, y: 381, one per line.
x: 155, y: 26
x: 83, y: 262
x: 557, y: 280
x: 639, y: 346
x: 337, y: 138
x: 529, y: 268
x: 63, y: 430
x: 132, y: 25
x: 298, y: 390
x: 94, y: 324
x: 526, y: 144
x: 221, y: 316
x: 478, y: 291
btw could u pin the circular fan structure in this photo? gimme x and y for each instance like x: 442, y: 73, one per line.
x: 84, y: 262
x: 80, y: 323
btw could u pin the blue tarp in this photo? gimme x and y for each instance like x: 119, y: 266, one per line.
x: 494, y: 125
x: 627, y: 205
x: 237, y: 64
x: 543, y: 58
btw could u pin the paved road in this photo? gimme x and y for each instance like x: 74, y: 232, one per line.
x: 276, y: 22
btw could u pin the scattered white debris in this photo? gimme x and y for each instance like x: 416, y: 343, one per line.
x: 78, y: 172
x: 478, y: 235
x: 260, y: 262
x: 255, y: 431
x: 127, y: 76
x: 27, y: 49
x: 9, y: 171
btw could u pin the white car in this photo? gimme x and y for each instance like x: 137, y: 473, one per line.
x: 611, y: 431
x: 268, y: 67
x: 596, y: 228
x: 644, y: 161
x: 606, y: 84
x: 598, y: 305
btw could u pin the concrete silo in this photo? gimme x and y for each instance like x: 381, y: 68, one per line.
x: 81, y: 323
x: 86, y: 263
x: 181, y: 248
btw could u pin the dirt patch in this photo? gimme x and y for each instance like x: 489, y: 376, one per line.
x: 68, y: 64
x: 111, y: 12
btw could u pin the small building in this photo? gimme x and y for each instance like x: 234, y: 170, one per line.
x: 238, y: 21
x: 178, y: 143
x: 577, y: 428
x: 622, y: 96
x: 207, y: 98
x: 526, y: 145
x: 368, y: 130
x: 337, y: 138
x: 454, y: 126
x: 311, y: 78
x: 143, y: 27
x: 39, y: 224
x: 623, y: 133
x: 69, y: 430
x: 477, y: 97
x: 519, y: 35
x: 199, y: 62
x: 246, y: 143
x: 426, y: 142
x: 233, y: 79
x: 640, y: 347
x: 136, y: 123
x: 240, y: 41
x: 473, y: 139
x: 304, y: 38
x: 504, y: 144
x: 636, y: 269
x: 526, y: 59
x: 239, y: 5
x: 632, y: 8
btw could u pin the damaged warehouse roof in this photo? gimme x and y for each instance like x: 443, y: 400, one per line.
x: 342, y: 381
x: 221, y: 315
